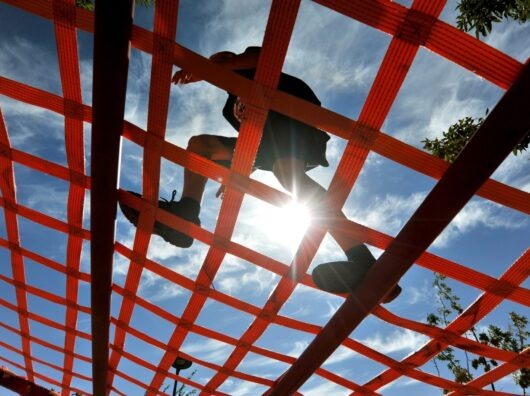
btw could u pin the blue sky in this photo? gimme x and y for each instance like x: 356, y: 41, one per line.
x: 339, y: 58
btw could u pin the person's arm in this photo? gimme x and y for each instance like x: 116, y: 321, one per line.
x: 245, y: 60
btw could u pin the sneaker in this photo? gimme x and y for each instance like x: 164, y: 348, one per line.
x: 346, y: 276
x: 186, y: 208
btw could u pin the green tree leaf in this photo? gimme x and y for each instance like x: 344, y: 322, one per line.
x: 481, y: 14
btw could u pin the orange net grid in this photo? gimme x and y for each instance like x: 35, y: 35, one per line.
x: 46, y: 335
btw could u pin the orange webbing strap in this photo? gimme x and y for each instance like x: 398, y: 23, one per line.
x: 384, y: 145
x: 431, y: 262
x: 410, y: 28
x: 354, y: 345
x: 266, y: 193
x: 449, y: 337
x: 515, y: 275
x: 282, y: 17
x: 480, y: 157
x: 268, y: 70
x: 212, y: 366
x: 205, y: 332
x: 47, y: 344
x: 391, y: 74
x: 442, y: 335
x: 438, y: 36
x: 497, y: 373
x: 55, y: 367
x: 165, y: 26
x: 7, y: 187
x: 444, y: 266
x: 66, y: 39
x: 45, y: 295
x: 21, y: 385
x: 43, y: 320
x: 387, y: 16
x: 35, y: 339
x: 404, y: 370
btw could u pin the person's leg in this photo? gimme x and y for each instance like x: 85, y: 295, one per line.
x: 290, y: 172
x: 338, y: 276
x: 215, y: 148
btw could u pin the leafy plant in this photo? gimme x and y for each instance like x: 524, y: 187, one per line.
x: 181, y: 390
x: 457, y: 136
x: 448, y: 304
x: 85, y: 4
x: 89, y: 4
x: 514, y: 339
x: 481, y: 14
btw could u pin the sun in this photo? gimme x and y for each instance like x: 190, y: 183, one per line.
x: 286, y: 225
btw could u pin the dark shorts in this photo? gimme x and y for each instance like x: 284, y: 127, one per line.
x: 287, y: 138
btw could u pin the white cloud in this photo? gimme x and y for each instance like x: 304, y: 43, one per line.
x: 120, y: 267
x: 506, y: 36
x: 340, y: 355
x: 235, y: 27
x: 208, y: 349
x: 515, y: 171
x: 333, y: 306
x: 475, y: 214
x: 298, y: 348
x: 401, y: 382
x: 421, y: 112
x: 23, y: 61
x: 161, y: 250
x: 48, y: 198
x: 234, y: 276
x: 419, y: 294
x: 332, y: 69
x: 388, y: 213
x: 398, y: 340
x: 27, y: 124
x: 163, y: 291
x: 86, y: 69
x: 346, y: 67
x: 326, y: 388
x: 257, y: 362
x: 242, y: 388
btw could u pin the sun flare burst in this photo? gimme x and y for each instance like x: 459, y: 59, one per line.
x: 285, y: 225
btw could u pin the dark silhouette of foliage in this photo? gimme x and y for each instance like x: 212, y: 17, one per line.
x: 85, y: 4
x: 448, y: 304
x: 480, y: 15
x: 514, y: 339
x: 89, y: 4
x: 182, y: 389
x: 457, y: 136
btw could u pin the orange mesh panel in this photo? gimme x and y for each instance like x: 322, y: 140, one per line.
x: 410, y: 29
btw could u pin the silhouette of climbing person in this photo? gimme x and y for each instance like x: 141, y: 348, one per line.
x: 288, y: 148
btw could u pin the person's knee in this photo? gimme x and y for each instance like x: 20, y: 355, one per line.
x: 198, y: 144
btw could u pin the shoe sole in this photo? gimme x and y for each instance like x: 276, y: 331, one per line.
x: 340, y: 277
x: 170, y: 235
